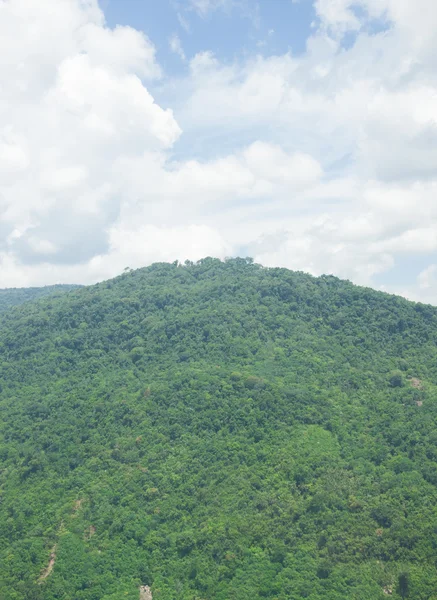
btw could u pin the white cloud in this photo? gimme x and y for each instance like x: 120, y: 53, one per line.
x: 41, y: 246
x: 103, y: 45
x: 428, y: 277
x: 150, y: 243
x: 247, y: 9
x: 271, y: 163
x: 422, y: 240
x: 204, y: 7
x: 127, y: 248
x: 13, y: 153
x: 72, y: 105
x: 366, y: 114
x: 184, y: 23
x: 325, y: 162
x: 415, y: 22
x: 87, y: 186
x: 424, y: 289
x: 176, y: 46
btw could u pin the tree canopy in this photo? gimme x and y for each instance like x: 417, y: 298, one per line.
x: 15, y: 296
x: 218, y: 431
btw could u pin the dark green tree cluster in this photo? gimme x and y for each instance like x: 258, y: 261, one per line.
x: 218, y: 431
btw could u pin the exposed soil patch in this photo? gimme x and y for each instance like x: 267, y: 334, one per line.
x: 89, y: 532
x: 145, y: 593
x: 416, y: 383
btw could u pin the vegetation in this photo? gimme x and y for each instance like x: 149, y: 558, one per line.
x: 218, y: 431
x: 15, y: 296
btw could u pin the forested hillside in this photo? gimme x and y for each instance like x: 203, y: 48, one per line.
x: 218, y: 431
x: 15, y: 296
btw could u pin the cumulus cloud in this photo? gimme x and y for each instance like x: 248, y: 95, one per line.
x: 73, y: 102
x: 324, y: 162
x: 87, y: 182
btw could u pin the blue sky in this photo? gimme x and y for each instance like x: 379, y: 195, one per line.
x: 267, y: 27
x: 302, y: 133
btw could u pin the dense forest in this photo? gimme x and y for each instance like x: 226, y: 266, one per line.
x: 15, y: 296
x: 218, y: 431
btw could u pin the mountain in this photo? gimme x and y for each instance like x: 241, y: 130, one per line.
x: 218, y: 431
x: 10, y: 297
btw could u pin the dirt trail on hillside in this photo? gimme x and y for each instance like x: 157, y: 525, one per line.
x: 52, y: 559
x: 77, y: 505
x: 50, y: 566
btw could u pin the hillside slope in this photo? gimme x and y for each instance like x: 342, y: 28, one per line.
x: 218, y: 431
x: 10, y: 297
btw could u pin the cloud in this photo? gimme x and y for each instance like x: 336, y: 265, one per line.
x: 183, y: 22
x: 428, y: 278
x: 366, y: 114
x: 205, y: 7
x: 87, y: 184
x: 176, y: 46
x: 324, y: 162
x: 405, y: 18
x: 74, y: 102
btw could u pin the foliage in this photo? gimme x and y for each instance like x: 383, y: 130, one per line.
x: 10, y: 297
x: 218, y: 430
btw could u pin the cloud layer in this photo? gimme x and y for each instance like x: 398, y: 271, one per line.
x: 325, y: 162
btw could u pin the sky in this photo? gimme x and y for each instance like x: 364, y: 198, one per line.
x: 302, y: 133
